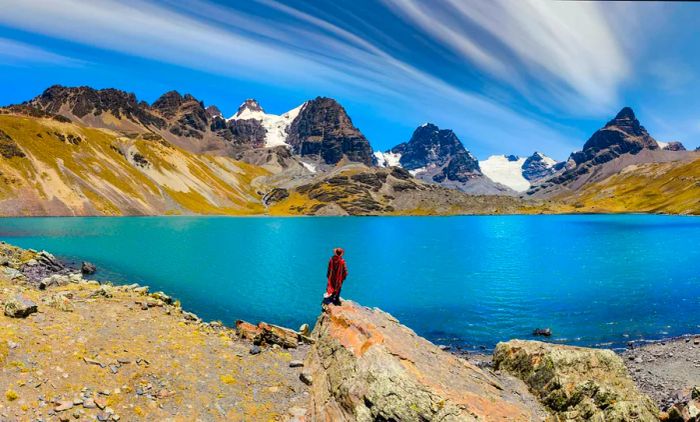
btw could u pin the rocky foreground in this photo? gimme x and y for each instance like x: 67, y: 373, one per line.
x: 75, y: 349
x: 81, y: 350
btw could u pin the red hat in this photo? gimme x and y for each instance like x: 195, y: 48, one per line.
x: 338, y: 251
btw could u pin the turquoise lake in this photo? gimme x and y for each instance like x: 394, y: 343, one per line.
x: 466, y: 281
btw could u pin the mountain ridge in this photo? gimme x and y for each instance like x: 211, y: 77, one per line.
x: 190, y: 159
x: 437, y: 155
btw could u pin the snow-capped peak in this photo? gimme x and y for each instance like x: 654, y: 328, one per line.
x: 249, y: 109
x: 276, y: 126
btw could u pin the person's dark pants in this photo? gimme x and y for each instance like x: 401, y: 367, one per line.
x: 333, y: 299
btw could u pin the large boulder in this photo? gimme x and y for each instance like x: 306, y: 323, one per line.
x: 366, y: 366
x: 88, y: 268
x: 19, y: 306
x: 577, y: 384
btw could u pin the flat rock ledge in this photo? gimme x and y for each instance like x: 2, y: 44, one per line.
x: 366, y: 366
x: 575, y: 383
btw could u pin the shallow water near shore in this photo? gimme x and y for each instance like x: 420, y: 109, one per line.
x: 595, y: 280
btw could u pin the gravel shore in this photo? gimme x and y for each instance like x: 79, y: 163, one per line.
x: 666, y: 370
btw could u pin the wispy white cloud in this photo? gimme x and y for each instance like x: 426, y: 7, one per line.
x: 569, y: 48
x: 16, y: 53
x: 148, y: 30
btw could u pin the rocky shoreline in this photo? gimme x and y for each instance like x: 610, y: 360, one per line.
x: 77, y: 349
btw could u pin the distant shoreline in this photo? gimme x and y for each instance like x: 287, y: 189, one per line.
x: 4, y: 217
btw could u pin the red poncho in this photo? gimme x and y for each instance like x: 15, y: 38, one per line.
x: 337, y: 271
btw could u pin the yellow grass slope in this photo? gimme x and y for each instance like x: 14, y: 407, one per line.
x: 669, y: 188
x: 56, y: 168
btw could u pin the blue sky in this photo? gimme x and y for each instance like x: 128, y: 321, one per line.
x: 507, y: 76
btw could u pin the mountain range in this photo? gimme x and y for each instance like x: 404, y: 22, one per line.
x: 82, y: 151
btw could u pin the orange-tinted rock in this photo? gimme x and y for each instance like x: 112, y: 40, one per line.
x: 247, y: 330
x: 366, y: 366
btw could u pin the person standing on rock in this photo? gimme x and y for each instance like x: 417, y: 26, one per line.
x: 336, y: 274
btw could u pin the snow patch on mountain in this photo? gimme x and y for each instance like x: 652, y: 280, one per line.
x: 547, y: 160
x: 662, y: 145
x: 277, y: 126
x: 506, y: 171
x: 310, y: 167
x: 416, y: 172
x: 388, y: 159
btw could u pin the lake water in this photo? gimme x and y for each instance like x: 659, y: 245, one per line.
x: 465, y: 281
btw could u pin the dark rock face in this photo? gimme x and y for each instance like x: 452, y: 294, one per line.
x: 430, y: 146
x: 185, y: 114
x: 275, y: 195
x: 213, y: 111
x: 8, y: 146
x: 535, y: 167
x: 674, y: 146
x: 88, y: 268
x: 323, y: 129
x: 30, y: 110
x: 622, y: 135
x: 169, y: 104
x: 84, y: 100
x: 248, y: 132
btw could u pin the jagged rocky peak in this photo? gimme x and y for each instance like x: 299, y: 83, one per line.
x: 538, y: 166
x: 323, y: 130
x: 624, y: 133
x: 185, y: 114
x: 621, y: 135
x: 170, y: 103
x: 672, y: 146
x: 82, y: 101
x: 213, y: 112
x: 431, y: 147
x: 249, y: 107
